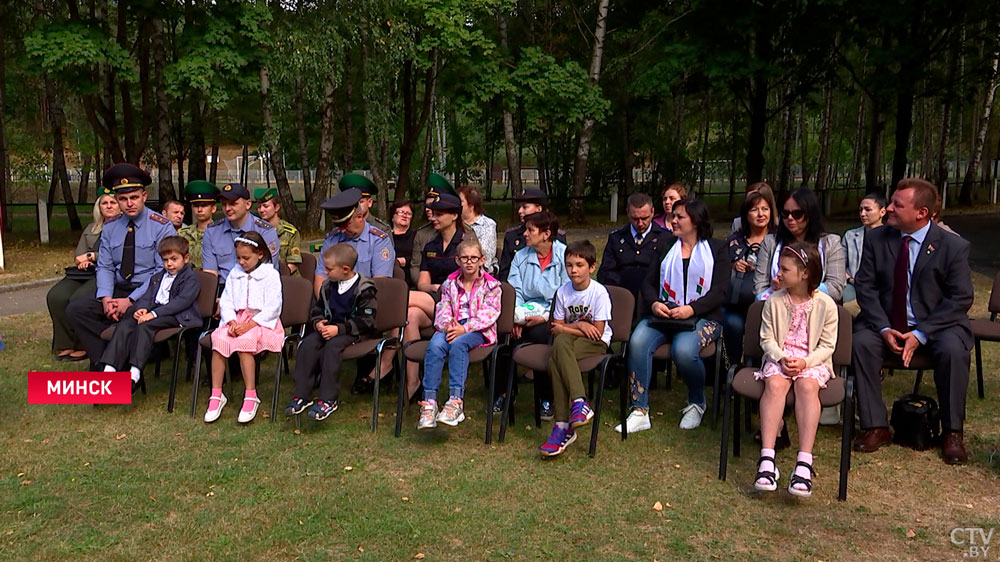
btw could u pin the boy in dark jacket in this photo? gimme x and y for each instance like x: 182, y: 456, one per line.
x: 169, y: 300
x: 343, y: 314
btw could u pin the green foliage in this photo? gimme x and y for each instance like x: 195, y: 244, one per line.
x: 73, y: 49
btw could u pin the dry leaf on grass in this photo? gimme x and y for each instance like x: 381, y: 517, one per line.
x: 25, y: 482
x: 677, y: 466
x: 910, y: 534
x: 20, y: 474
x: 348, y: 468
x: 119, y: 437
x: 406, y: 499
x: 657, y: 506
x: 361, y: 549
x: 298, y: 432
x: 418, y: 556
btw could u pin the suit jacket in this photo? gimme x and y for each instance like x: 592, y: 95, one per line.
x: 708, y: 306
x: 624, y: 263
x: 183, y: 303
x: 853, y: 242
x: 941, y: 290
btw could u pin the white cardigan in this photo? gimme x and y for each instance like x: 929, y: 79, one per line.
x: 259, y: 290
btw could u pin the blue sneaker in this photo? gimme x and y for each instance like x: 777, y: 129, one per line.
x: 297, y: 406
x: 558, y: 441
x: 580, y: 414
x: 322, y: 410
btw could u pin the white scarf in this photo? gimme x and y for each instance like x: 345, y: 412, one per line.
x: 699, y: 276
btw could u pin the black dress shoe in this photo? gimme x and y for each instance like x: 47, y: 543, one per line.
x: 953, y: 449
x: 135, y: 386
x: 362, y: 385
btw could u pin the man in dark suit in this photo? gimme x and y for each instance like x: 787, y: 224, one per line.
x: 914, y: 289
x: 169, y: 299
x: 634, y: 247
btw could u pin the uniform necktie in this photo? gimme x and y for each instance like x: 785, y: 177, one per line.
x: 128, y: 252
x: 900, y: 286
x: 638, y: 238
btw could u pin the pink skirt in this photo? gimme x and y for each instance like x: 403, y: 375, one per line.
x: 255, y: 340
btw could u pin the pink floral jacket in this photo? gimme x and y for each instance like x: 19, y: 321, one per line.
x: 484, y: 304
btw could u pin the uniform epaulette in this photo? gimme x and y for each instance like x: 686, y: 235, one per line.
x: 262, y: 223
x: 217, y: 223
x: 114, y: 218
x: 289, y: 227
x: 513, y: 228
x: 158, y: 218
x: 377, y: 232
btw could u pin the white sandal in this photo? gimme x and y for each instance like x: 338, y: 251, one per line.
x: 212, y: 415
x: 246, y: 417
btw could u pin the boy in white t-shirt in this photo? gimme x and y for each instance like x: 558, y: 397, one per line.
x: 580, y: 326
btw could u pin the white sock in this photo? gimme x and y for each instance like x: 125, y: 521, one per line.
x: 562, y: 425
x: 766, y: 466
x: 135, y: 373
x: 109, y: 369
x: 801, y: 470
x: 578, y: 400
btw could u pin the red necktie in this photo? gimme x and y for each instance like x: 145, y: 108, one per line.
x: 900, y: 286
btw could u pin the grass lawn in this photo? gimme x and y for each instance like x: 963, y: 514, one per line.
x: 134, y: 483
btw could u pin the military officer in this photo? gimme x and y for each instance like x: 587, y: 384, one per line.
x: 126, y: 258
x: 269, y: 209
x: 218, y: 250
x: 376, y: 255
x: 436, y: 186
x: 633, y: 248
x: 368, y: 191
x: 530, y: 201
x: 202, y: 196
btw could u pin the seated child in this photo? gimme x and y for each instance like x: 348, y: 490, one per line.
x: 466, y: 318
x: 343, y: 314
x: 798, y: 335
x: 580, y: 328
x: 169, y: 300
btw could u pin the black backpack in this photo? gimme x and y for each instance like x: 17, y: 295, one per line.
x: 916, y: 421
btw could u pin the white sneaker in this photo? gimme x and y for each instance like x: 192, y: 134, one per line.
x: 247, y: 417
x: 637, y: 421
x: 428, y: 415
x: 830, y: 415
x: 692, y: 416
x: 212, y: 415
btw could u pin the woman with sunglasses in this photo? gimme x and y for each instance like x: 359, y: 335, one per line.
x: 801, y: 221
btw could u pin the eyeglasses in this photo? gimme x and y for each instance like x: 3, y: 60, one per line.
x: 797, y: 214
x: 404, y: 213
x: 468, y: 259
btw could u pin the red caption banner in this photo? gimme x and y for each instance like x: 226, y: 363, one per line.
x: 79, y: 388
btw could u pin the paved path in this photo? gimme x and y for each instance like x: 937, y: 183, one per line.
x: 981, y: 230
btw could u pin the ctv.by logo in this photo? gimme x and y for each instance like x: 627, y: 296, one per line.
x: 975, y: 541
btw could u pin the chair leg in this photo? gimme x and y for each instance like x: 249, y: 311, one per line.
x: 491, y: 374
x: 173, y: 374
x: 670, y: 365
x: 401, y: 406
x: 375, y: 392
x: 716, y: 398
x: 280, y: 358
x: 537, y: 387
x: 507, y: 415
x: 736, y: 426
x: 726, y: 415
x: 624, y: 386
x: 400, y: 389
x: 596, y: 423
x: 916, y: 383
x: 979, y: 369
x: 846, y: 438
x: 197, y: 378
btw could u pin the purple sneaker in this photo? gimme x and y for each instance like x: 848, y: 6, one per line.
x: 580, y: 414
x: 558, y: 441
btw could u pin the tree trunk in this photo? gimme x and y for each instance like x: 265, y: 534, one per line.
x: 275, y: 158
x: 804, y: 143
x: 513, y: 161
x: 57, y: 120
x: 587, y: 130
x: 965, y: 197
x: 822, y: 173
x: 873, y: 165
x: 348, y: 119
x: 303, y: 147
x: 244, y: 164
x: 758, y: 128
x: 213, y: 166
x: 788, y: 146
x: 854, y: 179
x: 704, y: 144
x: 320, y: 188
x: 196, y: 152
x: 413, y: 122
x: 83, y: 187
x: 628, y: 154
x: 376, y: 157
x: 165, y: 180
x: 425, y: 157
x: 5, y: 223
x: 904, y: 125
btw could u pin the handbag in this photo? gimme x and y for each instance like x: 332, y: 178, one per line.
x: 81, y: 274
x: 672, y: 325
x: 916, y: 421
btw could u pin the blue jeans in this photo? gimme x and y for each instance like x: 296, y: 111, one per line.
x: 684, y: 350
x: 457, y: 353
x: 733, y: 326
